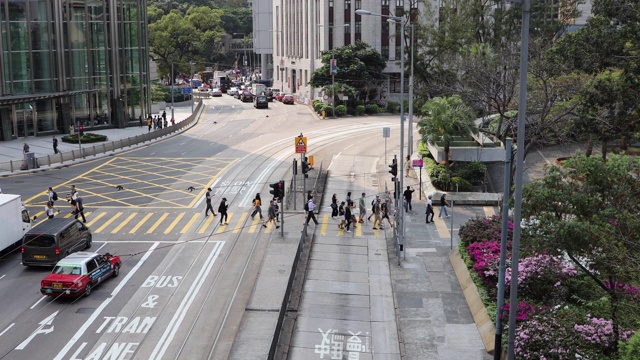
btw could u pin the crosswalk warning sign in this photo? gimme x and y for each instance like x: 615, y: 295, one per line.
x: 301, y: 145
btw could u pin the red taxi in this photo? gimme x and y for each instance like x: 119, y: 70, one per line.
x: 78, y: 273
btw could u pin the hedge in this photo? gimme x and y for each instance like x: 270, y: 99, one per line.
x: 341, y: 110
x: 85, y: 139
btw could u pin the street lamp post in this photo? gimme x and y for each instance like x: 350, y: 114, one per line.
x: 333, y: 73
x: 172, y: 78
x: 411, y: 82
x: 400, y: 19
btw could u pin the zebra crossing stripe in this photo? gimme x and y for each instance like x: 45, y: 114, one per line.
x: 205, y: 226
x: 173, y: 224
x: 144, y: 220
x: 157, y: 223
x: 190, y: 223
x: 112, y: 219
x: 124, y: 223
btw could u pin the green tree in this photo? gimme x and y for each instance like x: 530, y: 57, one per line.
x: 587, y: 210
x: 359, y: 66
x: 446, y: 118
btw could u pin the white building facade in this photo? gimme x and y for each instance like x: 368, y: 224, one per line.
x: 302, y: 29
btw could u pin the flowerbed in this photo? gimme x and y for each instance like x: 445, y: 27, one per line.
x: 85, y: 139
x: 561, y: 314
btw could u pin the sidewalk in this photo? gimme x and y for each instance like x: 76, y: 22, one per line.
x: 357, y: 303
x: 43, y: 145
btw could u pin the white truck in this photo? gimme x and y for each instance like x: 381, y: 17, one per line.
x: 14, y: 221
x: 258, y: 89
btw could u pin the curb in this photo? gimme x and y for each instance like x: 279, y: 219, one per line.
x: 485, y: 326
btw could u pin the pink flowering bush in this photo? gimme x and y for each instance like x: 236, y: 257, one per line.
x: 486, y: 260
x: 630, y: 291
x: 540, y: 277
x: 599, y: 332
x: 548, y: 335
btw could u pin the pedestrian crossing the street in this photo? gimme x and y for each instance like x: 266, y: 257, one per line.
x: 182, y: 222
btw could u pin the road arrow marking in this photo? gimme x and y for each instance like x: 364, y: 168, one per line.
x: 39, y: 330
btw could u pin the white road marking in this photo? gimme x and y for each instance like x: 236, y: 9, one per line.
x: 103, y: 245
x: 3, y: 276
x: 38, y: 302
x: 181, y: 311
x: 7, y: 329
x: 104, y: 304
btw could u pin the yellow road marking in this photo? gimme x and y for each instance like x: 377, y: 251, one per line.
x: 340, y: 230
x: 243, y: 217
x: 254, y: 225
x: 206, y: 224
x: 325, y: 223
x: 124, y: 223
x: 441, y: 226
x: 376, y: 233
x: 157, y: 223
x: 222, y: 228
x: 90, y: 223
x: 140, y: 223
x: 38, y: 214
x: 174, y: 223
x: 104, y: 226
x: 488, y: 211
x: 201, y: 193
x: 359, y: 229
x: 193, y: 219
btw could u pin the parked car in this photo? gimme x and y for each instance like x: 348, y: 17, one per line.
x: 216, y: 92
x: 246, y: 96
x: 280, y: 96
x: 232, y: 91
x: 261, y: 101
x: 79, y: 273
x: 53, y: 240
x: 288, y: 99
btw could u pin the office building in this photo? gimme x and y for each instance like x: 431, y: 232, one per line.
x: 69, y: 63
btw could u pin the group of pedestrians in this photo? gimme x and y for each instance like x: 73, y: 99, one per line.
x: 272, y: 211
x: 158, y: 121
x: 345, y: 211
x: 75, y: 202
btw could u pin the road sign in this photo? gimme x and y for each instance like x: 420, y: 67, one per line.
x: 186, y: 90
x: 301, y: 145
x: 386, y: 132
x: 418, y: 163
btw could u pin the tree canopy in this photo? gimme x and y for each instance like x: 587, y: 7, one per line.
x: 358, y: 65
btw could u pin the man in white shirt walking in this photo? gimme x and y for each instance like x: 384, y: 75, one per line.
x: 310, y: 214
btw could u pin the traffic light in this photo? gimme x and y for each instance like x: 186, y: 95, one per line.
x: 275, y: 189
x: 305, y: 167
x: 281, y: 189
x: 394, y: 168
x: 81, y: 130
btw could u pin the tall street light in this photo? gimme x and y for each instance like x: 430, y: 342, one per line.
x: 396, y: 19
x: 517, y: 200
x: 333, y: 69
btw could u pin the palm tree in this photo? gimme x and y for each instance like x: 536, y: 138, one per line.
x: 444, y: 118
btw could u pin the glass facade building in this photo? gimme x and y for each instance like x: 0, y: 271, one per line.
x: 72, y: 62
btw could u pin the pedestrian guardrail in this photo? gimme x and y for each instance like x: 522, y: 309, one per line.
x: 105, y: 147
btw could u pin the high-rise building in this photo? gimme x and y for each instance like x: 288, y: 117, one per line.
x: 302, y: 29
x: 66, y: 63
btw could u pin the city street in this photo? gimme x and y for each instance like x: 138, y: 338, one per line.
x: 185, y: 279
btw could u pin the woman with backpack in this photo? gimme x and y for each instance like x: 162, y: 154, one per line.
x: 222, y: 210
x: 348, y: 216
x: 256, y: 207
x: 334, y: 206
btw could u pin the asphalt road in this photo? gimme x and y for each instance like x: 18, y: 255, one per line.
x: 185, y: 279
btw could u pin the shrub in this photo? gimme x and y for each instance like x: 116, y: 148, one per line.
x: 328, y: 110
x: 471, y: 171
x: 85, y: 139
x: 463, y: 184
x: 540, y: 278
x: 485, y: 257
x: 341, y: 110
x: 481, y: 230
x: 393, y: 107
x: 371, y: 109
x: 351, y: 111
x: 317, y: 106
x: 360, y: 110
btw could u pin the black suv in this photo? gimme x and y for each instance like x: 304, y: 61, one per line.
x: 260, y: 101
x: 269, y: 94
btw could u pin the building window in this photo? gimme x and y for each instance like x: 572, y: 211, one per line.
x: 347, y: 4
x: 358, y: 27
x: 330, y: 3
x: 385, y: 51
x: 394, y: 83
x: 399, y: 3
x: 385, y: 3
x: 358, y: 4
x: 414, y: 4
x: 398, y: 51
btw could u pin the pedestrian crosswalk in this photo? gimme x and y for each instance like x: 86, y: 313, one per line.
x: 182, y: 222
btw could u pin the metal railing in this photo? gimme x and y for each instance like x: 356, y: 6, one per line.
x: 104, y: 147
